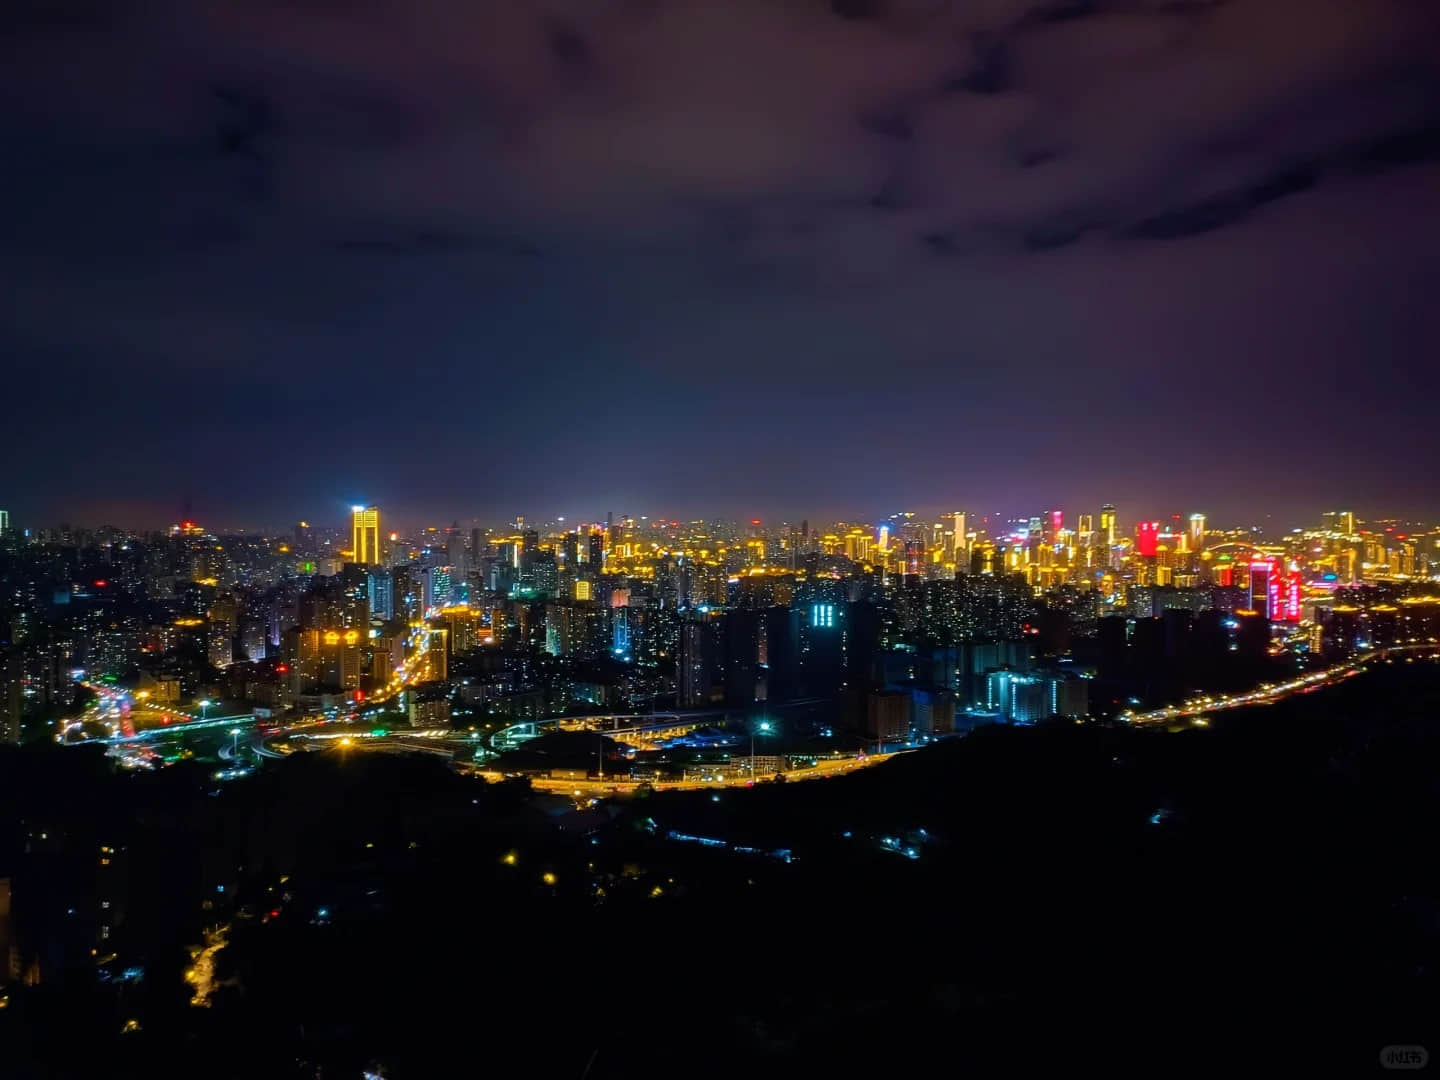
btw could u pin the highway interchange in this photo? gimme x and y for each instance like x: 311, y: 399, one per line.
x: 145, y: 733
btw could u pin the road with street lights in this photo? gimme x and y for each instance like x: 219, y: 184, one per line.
x: 1195, y: 709
x: 824, y: 768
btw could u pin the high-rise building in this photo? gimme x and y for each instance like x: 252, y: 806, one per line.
x: 1107, y: 524
x: 1259, y: 587
x: 380, y: 590
x: 1018, y: 697
x: 1147, y: 538
x: 12, y: 701
x: 1197, y: 531
x: 914, y: 556
x: 439, y: 581
x: 365, y: 525
x: 701, y: 662
x: 4, y: 522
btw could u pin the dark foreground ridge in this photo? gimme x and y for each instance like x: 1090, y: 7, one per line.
x: 1256, y: 895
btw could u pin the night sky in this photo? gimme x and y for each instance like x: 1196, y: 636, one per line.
x: 761, y: 257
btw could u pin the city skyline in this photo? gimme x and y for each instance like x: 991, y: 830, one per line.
x: 342, y: 510
x: 579, y: 538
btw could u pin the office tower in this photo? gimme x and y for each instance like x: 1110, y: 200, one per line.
x: 439, y: 580
x: 1259, y: 586
x: 1282, y: 592
x: 365, y: 525
x: 545, y: 573
x: 1197, y: 531
x: 1107, y: 524
x: 914, y: 556
x: 336, y: 657
x: 596, y: 550
x: 1147, y: 538
x: 822, y: 649
x: 959, y: 541
x: 380, y: 591
x: 4, y: 522
x: 437, y: 657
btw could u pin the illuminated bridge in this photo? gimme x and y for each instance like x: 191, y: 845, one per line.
x: 181, y: 727
x: 642, y: 728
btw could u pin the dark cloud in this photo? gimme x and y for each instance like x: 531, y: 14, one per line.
x: 890, y: 123
x: 1221, y: 210
x: 858, y: 9
x: 1015, y: 226
x: 245, y: 118
x: 438, y: 243
x: 992, y: 67
x: 1064, y: 11
x: 568, y: 45
x: 1056, y: 234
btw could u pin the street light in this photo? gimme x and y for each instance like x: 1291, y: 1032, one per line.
x: 234, y: 741
x: 203, y: 706
x: 764, y: 727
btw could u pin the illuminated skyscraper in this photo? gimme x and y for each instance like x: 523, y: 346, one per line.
x: 960, y: 541
x: 914, y: 556
x: 1197, y: 531
x: 1107, y: 524
x: 365, y: 524
x: 439, y: 581
x: 1259, y: 586
x: 1147, y: 538
x: 380, y: 587
x: 4, y: 522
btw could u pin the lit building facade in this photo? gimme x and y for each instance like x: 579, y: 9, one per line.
x: 365, y: 528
